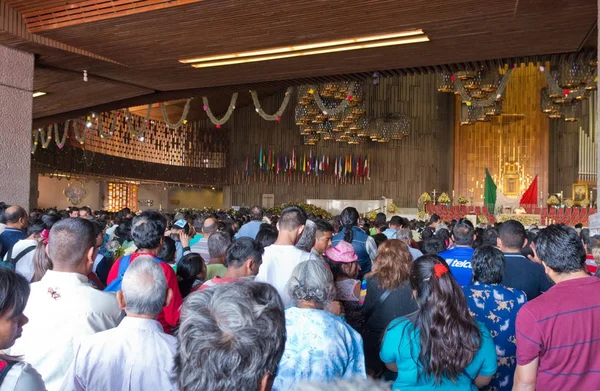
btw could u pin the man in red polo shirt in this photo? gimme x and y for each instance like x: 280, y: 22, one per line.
x: 147, y: 232
x: 558, y: 332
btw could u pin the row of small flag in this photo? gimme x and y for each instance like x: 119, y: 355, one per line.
x: 342, y: 166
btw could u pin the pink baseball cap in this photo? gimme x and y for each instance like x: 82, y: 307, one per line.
x: 343, y: 253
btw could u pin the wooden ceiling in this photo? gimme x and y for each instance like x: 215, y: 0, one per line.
x: 131, y: 53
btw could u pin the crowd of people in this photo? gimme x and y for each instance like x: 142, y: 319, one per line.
x: 151, y: 301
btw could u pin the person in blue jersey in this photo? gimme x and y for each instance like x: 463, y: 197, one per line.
x: 459, y: 257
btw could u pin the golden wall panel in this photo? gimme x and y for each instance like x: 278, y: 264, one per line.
x: 516, y: 141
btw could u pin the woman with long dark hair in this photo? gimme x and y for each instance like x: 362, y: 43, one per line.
x: 440, y: 346
x: 364, y: 245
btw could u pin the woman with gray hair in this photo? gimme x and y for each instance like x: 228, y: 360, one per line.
x: 307, y: 239
x: 320, y: 346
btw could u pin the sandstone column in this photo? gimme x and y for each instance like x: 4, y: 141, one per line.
x: 16, y: 85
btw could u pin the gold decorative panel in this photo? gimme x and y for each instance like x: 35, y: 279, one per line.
x: 122, y: 195
x: 513, y: 146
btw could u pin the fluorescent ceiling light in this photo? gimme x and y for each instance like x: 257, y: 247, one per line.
x: 342, y: 48
x: 38, y: 93
x: 304, y: 48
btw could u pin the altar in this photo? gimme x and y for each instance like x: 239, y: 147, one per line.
x: 525, y: 219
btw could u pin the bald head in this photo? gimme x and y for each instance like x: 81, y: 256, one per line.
x: 16, y: 217
x: 210, y: 226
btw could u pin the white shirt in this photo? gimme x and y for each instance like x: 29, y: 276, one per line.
x: 136, y: 355
x: 25, y: 265
x: 22, y: 377
x: 63, y: 309
x: 278, y: 262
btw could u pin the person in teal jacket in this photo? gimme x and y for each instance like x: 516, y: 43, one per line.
x: 440, y: 346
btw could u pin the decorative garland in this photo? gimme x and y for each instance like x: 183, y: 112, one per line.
x: 60, y: 144
x: 138, y: 134
x: 183, y: 118
x: 111, y: 131
x: 35, y: 141
x: 227, y: 115
x: 464, y: 95
x: 46, y: 140
x: 79, y: 137
x: 278, y: 113
x: 339, y: 108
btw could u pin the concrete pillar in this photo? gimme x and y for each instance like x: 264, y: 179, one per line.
x: 16, y: 85
x: 227, y: 197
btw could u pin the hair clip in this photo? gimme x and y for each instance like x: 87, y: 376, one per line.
x: 439, y: 269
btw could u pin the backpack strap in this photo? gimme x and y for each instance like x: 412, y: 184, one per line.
x: 378, y: 303
x: 6, y: 367
x: 13, y: 261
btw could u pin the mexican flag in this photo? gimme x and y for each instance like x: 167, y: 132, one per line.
x: 489, y: 192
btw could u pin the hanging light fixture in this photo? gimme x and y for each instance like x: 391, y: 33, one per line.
x: 467, y: 115
x: 571, y: 74
x: 445, y: 82
x: 572, y: 111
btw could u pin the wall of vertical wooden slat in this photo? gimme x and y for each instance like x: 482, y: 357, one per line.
x: 400, y: 170
x: 520, y: 134
x: 566, y: 163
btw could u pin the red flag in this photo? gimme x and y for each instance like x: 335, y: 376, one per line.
x: 360, y: 166
x: 530, y: 197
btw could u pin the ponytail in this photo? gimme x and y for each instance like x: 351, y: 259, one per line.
x: 349, y: 219
x: 348, y: 233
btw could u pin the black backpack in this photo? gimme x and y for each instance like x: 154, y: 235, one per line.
x: 12, y: 262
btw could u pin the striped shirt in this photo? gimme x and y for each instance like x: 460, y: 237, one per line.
x: 562, y: 328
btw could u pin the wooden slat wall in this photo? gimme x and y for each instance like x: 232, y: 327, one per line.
x: 521, y: 134
x: 564, y: 149
x: 400, y: 169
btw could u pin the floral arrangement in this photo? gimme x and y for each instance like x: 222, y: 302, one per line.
x: 211, y: 211
x: 481, y: 219
x: 569, y: 203
x: 308, y: 208
x: 392, y: 208
x: 425, y: 197
x: 553, y: 201
x: 463, y: 200
x: 372, y: 214
x: 585, y: 202
x: 444, y: 199
x: 115, y: 249
x: 422, y: 215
